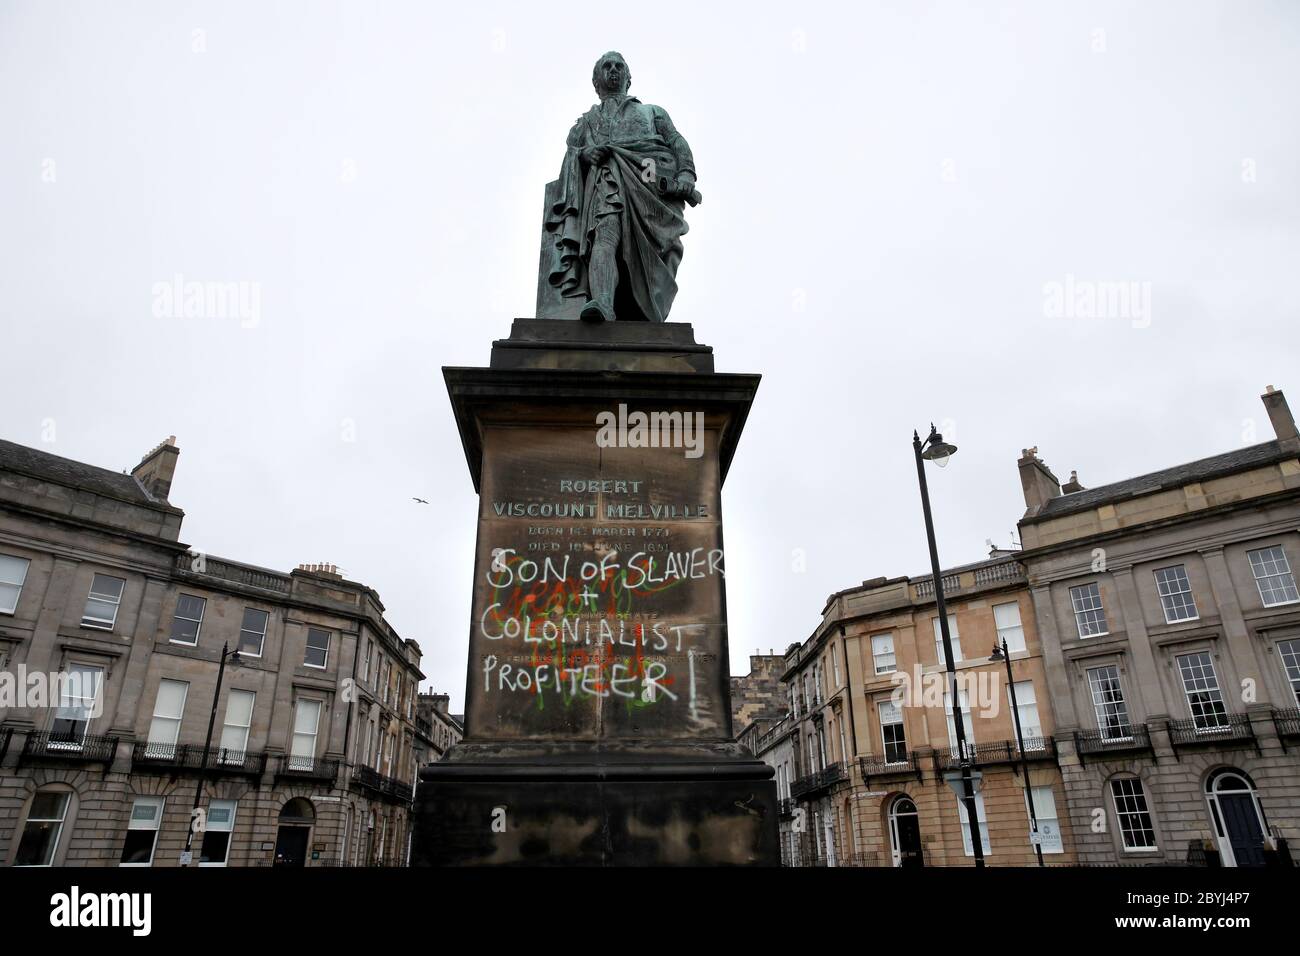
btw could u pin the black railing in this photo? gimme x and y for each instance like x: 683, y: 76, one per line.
x: 398, y: 790
x: 785, y: 808
x: 814, y: 783
x: 1226, y: 728
x: 367, y: 778
x: 70, y: 747
x: 387, y: 862
x: 906, y: 766
x: 1126, y: 739
x: 189, y: 757
x: 1287, y: 723
x: 993, y: 753
x: 6, y: 734
x: 308, y: 768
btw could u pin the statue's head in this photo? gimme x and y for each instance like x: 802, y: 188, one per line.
x: 611, y: 74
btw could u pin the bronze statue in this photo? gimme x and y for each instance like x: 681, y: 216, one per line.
x: 611, y: 239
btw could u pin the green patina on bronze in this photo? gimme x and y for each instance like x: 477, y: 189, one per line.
x: 613, y: 225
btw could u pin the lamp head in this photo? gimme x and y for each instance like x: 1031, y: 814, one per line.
x: 937, y: 450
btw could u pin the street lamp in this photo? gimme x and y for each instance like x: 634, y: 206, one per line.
x: 233, y: 656
x: 935, y: 449
x: 1002, y: 653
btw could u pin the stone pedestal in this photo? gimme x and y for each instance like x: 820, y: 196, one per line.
x: 598, y: 723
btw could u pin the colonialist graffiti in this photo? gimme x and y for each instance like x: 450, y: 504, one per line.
x: 599, y: 609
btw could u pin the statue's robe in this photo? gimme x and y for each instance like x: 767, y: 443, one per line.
x: 644, y: 146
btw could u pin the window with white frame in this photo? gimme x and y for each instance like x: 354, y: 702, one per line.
x: 306, y: 724
x: 13, y: 574
x: 365, y: 667
x: 1135, y: 826
x: 1049, y: 825
x: 1289, y: 651
x: 252, y: 632
x: 835, y: 662
x: 1201, y: 685
x: 1010, y: 629
x: 383, y: 680
x: 103, y: 601
x: 980, y: 818
x: 318, y: 648
x: 1027, y: 709
x: 1273, y: 576
x: 234, y: 731
x: 1176, y: 594
x: 1089, y: 615
x: 165, y: 727
x: 808, y: 699
x: 952, y: 633
x: 892, y: 734
x: 968, y: 726
x: 216, y: 836
x: 142, y: 831
x: 188, y: 619
x: 882, y: 653
x: 79, y: 689
x: 1108, y: 703
x: 794, y: 702
x: 44, y: 827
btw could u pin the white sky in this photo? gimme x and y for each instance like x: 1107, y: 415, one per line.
x: 888, y: 187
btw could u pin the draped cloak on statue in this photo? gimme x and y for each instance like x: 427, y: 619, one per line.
x: 643, y: 148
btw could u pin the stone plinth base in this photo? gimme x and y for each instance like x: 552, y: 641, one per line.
x: 595, y: 814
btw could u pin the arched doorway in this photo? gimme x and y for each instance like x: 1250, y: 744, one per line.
x: 291, y: 841
x: 1238, y: 818
x: 905, y: 833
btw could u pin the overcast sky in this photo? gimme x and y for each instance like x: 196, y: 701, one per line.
x: 890, y: 189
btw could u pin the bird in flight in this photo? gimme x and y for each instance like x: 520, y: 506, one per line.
x: 420, y: 501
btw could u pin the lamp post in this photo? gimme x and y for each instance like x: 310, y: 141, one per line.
x: 935, y: 449
x: 188, y: 856
x: 1002, y: 653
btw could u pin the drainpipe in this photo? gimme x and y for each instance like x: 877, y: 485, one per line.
x: 347, y: 727
x: 853, y: 734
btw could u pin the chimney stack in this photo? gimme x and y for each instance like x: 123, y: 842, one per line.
x: 441, y: 702
x: 1279, y: 413
x: 322, y: 570
x: 1039, y: 484
x: 1071, y: 486
x: 156, y: 469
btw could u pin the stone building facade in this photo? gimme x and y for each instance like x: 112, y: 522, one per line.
x: 757, y: 698
x: 1170, y: 622
x: 436, y: 730
x: 312, y: 757
x: 869, y: 738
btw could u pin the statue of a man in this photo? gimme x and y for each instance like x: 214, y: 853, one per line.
x: 614, y: 226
